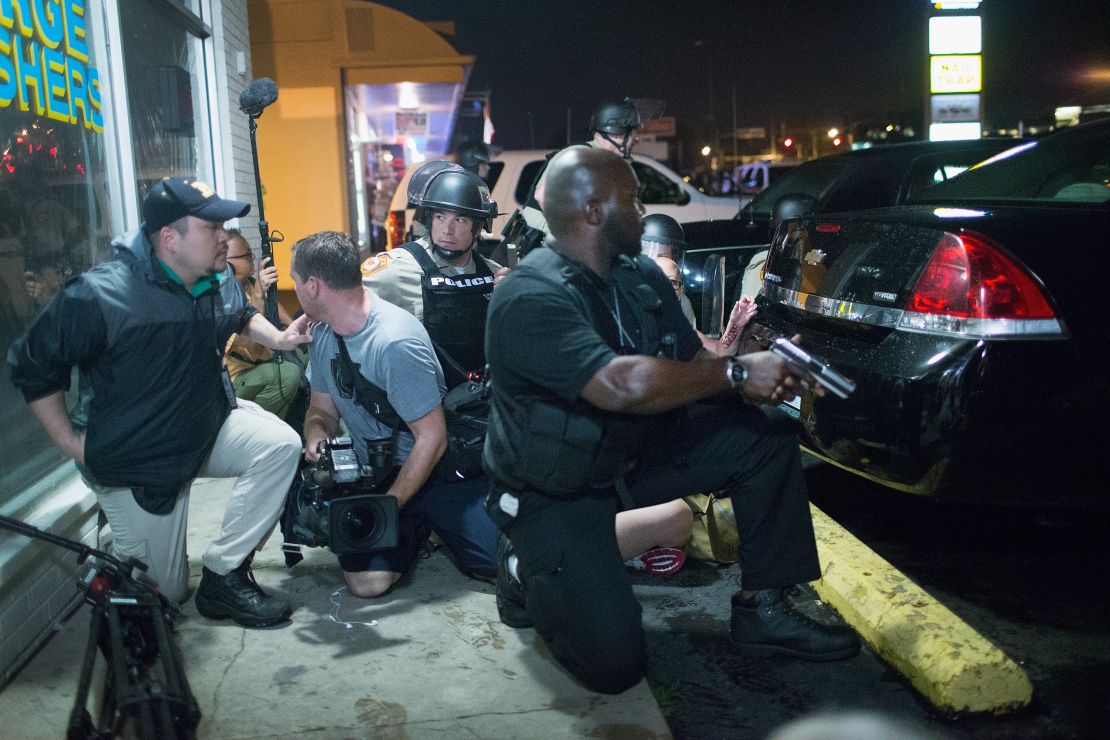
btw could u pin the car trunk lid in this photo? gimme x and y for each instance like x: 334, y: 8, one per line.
x: 904, y: 268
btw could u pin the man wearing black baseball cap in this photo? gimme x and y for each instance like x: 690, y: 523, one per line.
x: 148, y: 329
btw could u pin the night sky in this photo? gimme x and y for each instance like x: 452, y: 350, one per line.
x: 798, y: 62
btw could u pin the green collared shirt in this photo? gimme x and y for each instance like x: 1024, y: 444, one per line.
x: 200, y: 286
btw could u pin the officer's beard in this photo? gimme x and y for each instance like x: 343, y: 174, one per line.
x: 622, y: 236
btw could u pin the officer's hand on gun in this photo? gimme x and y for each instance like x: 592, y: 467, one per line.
x: 771, y: 379
x: 797, y: 369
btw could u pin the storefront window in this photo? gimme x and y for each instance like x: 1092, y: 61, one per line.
x: 166, y: 91
x: 393, y: 128
x: 53, y: 194
x: 54, y: 220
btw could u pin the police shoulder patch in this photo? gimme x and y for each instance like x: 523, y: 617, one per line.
x: 375, y: 264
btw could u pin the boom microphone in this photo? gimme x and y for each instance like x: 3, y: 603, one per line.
x: 257, y: 95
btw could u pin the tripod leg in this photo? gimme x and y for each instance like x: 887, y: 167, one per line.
x: 80, y: 722
x: 173, y: 669
x: 126, y: 667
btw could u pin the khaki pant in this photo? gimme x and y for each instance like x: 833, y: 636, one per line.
x: 253, y: 446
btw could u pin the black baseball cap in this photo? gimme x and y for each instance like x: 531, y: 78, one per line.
x: 172, y: 198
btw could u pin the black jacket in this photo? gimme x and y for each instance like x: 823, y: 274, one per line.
x: 150, y: 357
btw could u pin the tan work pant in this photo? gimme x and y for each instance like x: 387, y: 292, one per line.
x: 253, y: 446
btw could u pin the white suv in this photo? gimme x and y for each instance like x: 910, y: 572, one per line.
x: 512, y: 173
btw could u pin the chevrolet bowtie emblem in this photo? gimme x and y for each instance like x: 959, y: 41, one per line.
x: 814, y: 257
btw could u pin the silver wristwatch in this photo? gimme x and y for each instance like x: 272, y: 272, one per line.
x: 736, y: 373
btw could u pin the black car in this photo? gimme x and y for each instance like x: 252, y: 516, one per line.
x: 973, y: 323
x: 864, y: 178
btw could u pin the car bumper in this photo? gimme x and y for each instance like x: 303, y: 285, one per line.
x: 938, y: 416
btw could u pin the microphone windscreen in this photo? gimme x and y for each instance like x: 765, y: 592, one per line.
x: 257, y: 95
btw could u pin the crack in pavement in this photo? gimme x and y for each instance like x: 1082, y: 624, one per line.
x: 216, y: 692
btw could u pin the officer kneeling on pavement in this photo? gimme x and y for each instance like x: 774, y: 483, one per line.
x: 573, y: 343
x: 373, y: 367
x: 440, y: 278
x: 455, y: 204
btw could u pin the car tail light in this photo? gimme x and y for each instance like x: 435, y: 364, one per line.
x: 395, y: 227
x: 971, y: 287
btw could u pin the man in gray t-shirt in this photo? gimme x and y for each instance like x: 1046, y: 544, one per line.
x: 393, y: 352
x: 390, y: 349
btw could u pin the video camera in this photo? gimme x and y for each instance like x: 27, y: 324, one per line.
x: 340, y: 504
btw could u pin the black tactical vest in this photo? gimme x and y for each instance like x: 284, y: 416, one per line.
x: 545, y: 443
x: 455, y: 313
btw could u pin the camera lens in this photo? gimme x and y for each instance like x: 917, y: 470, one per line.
x: 359, y: 522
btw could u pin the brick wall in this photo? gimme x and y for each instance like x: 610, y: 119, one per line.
x: 231, y: 35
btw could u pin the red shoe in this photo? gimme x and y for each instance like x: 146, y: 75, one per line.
x: 659, y: 561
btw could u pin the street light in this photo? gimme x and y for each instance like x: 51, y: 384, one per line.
x: 705, y: 151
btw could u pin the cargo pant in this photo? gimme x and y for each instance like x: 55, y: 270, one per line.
x: 578, y: 592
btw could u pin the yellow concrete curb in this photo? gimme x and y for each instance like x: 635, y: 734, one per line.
x: 953, y: 666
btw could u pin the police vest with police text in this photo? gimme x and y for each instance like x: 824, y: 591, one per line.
x: 455, y: 312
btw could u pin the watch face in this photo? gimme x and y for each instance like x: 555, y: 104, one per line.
x: 737, y: 373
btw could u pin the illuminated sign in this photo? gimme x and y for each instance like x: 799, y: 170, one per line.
x: 955, y: 108
x: 44, y: 57
x: 956, y: 4
x: 956, y: 73
x: 955, y: 34
x: 955, y: 131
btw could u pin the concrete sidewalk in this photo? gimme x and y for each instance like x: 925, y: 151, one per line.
x: 438, y: 663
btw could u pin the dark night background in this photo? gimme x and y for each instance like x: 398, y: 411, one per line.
x: 793, y: 62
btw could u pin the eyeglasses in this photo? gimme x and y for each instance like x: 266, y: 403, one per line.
x: 676, y: 284
x: 244, y: 256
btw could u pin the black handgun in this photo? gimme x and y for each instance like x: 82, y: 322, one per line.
x: 836, y: 383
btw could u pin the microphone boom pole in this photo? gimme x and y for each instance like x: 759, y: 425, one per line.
x: 252, y: 101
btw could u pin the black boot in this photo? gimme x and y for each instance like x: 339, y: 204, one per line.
x: 239, y: 597
x: 510, y: 595
x: 768, y: 624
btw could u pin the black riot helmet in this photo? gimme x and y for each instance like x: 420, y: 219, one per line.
x: 791, y: 205
x: 616, y: 119
x: 472, y: 154
x: 445, y: 186
x: 660, y: 232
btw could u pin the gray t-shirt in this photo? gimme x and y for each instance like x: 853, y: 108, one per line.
x: 393, y: 352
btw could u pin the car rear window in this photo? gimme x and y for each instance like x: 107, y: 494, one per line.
x: 1071, y: 167
x: 812, y: 178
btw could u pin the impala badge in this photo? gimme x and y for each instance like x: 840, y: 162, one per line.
x: 814, y: 257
